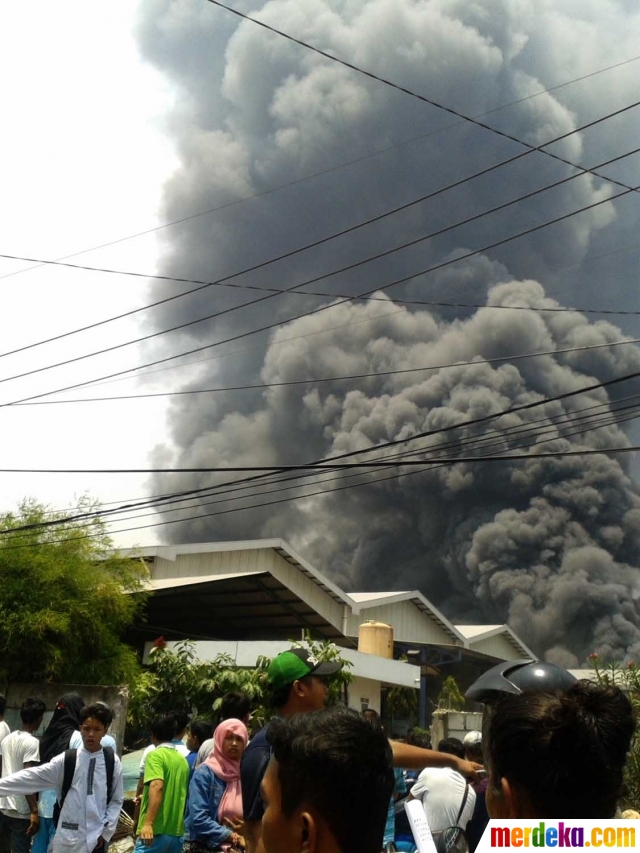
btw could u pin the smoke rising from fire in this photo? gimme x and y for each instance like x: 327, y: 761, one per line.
x: 551, y: 545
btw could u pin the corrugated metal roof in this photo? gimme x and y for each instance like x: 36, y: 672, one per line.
x: 288, y: 554
x: 469, y: 631
x: 462, y: 635
x: 281, y: 547
x: 477, y: 633
x: 373, y: 599
x: 374, y: 596
x: 171, y: 583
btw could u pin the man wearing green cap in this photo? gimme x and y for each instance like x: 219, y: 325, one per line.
x: 296, y: 679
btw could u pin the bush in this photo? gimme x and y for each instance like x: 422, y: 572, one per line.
x: 627, y: 677
x: 176, y: 679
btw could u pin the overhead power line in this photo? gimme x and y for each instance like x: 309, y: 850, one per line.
x: 225, y: 282
x: 354, y: 298
x: 320, y: 380
x: 437, y: 463
x: 371, y: 75
x: 153, y: 501
x: 462, y: 424
x: 327, y: 171
x: 279, y: 323
x: 336, y: 461
x: 346, y: 466
x: 492, y: 439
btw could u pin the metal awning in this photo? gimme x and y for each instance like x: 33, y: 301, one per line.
x: 247, y: 605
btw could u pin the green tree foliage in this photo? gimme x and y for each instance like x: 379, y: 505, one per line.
x: 450, y: 697
x: 402, y: 703
x: 62, y: 607
x: 627, y: 677
x: 176, y: 679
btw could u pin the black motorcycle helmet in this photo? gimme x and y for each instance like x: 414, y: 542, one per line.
x: 515, y: 676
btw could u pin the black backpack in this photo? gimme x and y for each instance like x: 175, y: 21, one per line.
x: 70, y: 768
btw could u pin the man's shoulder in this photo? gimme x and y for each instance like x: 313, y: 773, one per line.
x: 163, y: 754
x: 20, y: 741
x: 169, y: 758
x: 438, y: 775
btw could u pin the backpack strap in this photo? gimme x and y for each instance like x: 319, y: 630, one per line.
x: 109, y: 763
x: 463, y: 803
x: 70, y: 756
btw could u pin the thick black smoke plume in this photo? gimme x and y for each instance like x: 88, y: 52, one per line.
x: 551, y: 545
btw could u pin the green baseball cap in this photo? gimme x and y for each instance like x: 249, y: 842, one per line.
x: 294, y: 664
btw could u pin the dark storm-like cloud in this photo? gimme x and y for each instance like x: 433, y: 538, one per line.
x: 254, y: 112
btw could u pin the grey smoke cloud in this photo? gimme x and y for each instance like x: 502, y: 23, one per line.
x: 538, y: 542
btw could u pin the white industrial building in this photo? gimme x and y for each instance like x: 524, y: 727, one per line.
x: 250, y: 598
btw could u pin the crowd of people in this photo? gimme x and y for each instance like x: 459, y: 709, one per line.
x: 75, y: 771
x: 317, y: 780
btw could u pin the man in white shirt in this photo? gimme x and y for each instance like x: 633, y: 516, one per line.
x: 442, y: 791
x: 19, y: 750
x: 90, y: 811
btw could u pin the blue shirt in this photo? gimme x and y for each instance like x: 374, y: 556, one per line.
x: 400, y: 788
x: 200, y: 823
x: 191, y: 761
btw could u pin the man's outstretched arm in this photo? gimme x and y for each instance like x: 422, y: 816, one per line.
x: 415, y: 758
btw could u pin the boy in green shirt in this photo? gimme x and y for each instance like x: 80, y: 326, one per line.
x: 166, y: 780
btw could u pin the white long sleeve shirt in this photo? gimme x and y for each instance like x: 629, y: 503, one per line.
x: 85, y: 814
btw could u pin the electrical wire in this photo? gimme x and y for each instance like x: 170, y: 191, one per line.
x: 334, y: 460
x: 424, y: 463
x: 272, y: 295
x: 494, y: 439
x: 327, y: 171
x: 279, y: 323
x: 371, y: 75
x: 225, y: 282
x: 350, y: 377
x: 127, y: 504
x: 355, y: 298
x: 605, y: 419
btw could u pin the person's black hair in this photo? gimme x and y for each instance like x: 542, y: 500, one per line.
x: 32, y: 710
x: 452, y: 746
x: 339, y: 764
x: 562, y: 752
x: 475, y: 751
x: 280, y: 697
x: 99, y: 711
x: 202, y: 730
x: 371, y: 716
x: 107, y: 708
x: 3, y: 703
x: 164, y: 728
x: 182, y: 718
x: 235, y: 706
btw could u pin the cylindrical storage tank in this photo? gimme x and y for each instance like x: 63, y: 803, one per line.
x: 376, y: 638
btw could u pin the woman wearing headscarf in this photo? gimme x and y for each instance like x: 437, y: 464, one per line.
x: 214, y: 808
x: 63, y: 732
